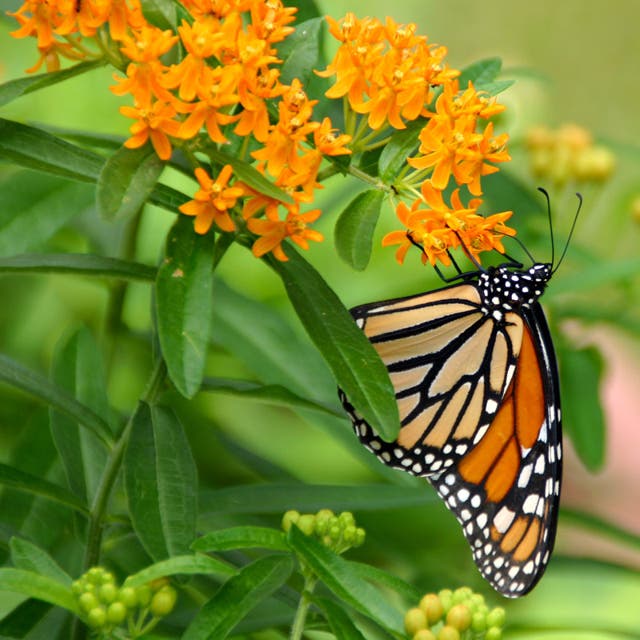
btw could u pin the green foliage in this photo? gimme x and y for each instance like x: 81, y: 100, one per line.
x: 190, y: 392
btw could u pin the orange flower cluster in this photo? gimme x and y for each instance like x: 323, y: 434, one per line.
x: 389, y: 73
x: 385, y: 70
x: 437, y: 227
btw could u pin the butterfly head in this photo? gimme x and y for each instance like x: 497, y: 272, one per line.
x: 506, y: 289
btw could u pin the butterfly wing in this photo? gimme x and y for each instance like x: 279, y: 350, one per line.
x: 450, y: 364
x: 505, y: 491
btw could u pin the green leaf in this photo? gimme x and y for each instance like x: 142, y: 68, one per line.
x: 339, y: 620
x: 184, y: 304
x: 36, y: 149
x: 30, y: 557
x: 238, y: 596
x: 300, y: 52
x: 580, y: 375
x: 278, y: 497
x: 241, y: 538
x: 338, y: 575
x: 480, y: 72
x: 249, y: 175
x: 16, y: 88
x: 126, y: 181
x: 22, y: 481
x: 407, y: 591
x: 185, y: 565
x: 403, y: 144
x: 160, y: 13
x: 34, y: 207
x: 494, y: 88
x: 354, y: 228
x: 354, y: 362
x: 79, y: 264
x: 36, y: 586
x: 78, y: 368
x: 268, y: 393
x: 270, y: 348
x: 38, y: 386
x: 160, y: 482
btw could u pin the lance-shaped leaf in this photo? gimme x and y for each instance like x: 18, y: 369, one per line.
x: 355, y: 363
x: 242, y: 538
x: 184, y: 304
x: 126, y: 181
x: 238, y: 596
x: 36, y: 586
x: 160, y: 482
x: 186, y: 565
x: 30, y: 557
x: 354, y: 228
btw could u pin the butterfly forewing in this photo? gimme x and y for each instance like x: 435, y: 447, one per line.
x: 450, y: 367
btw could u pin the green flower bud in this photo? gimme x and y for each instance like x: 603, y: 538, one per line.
x: 475, y: 602
x: 128, y: 597
x: 322, y: 521
x: 94, y: 575
x: 424, y: 634
x: 335, y: 532
x: 493, y: 633
x: 479, y: 622
x: 360, y: 536
x: 77, y: 587
x: 289, y: 518
x: 462, y: 594
x: 346, y: 519
x: 87, y: 601
x: 163, y: 601
x: 306, y: 523
x: 459, y: 617
x: 448, y: 633
x: 97, y: 617
x: 107, y: 592
x: 349, y: 534
x: 414, y: 620
x: 496, y: 617
x: 446, y: 598
x: 116, y: 613
x: 432, y: 607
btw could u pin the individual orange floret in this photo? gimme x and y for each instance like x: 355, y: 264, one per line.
x: 273, y: 231
x: 269, y: 20
x: 155, y: 123
x: 328, y: 142
x: 213, y: 200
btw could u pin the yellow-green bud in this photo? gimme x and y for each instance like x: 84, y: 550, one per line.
x: 462, y: 594
x: 448, y: 633
x: 446, y: 598
x: 163, y: 601
x: 107, y: 592
x: 97, y: 617
x: 475, y: 602
x: 128, y: 597
x: 360, y: 536
x: 116, y: 612
x: 493, y: 633
x: 459, y: 617
x: 424, y: 634
x: 306, y: 523
x: 335, y: 532
x: 289, y: 518
x: 478, y: 622
x: 414, y: 620
x: 77, y: 587
x: 349, y: 534
x: 432, y: 607
x: 87, y: 601
x: 322, y: 521
x: 346, y: 519
x: 94, y: 575
x: 496, y: 617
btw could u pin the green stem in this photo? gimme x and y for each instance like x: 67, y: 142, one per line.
x: 297, y: 628
x: 108, y: 479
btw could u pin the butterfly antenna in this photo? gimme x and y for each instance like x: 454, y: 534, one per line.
x: 550, y: 219
x: 573, y: 227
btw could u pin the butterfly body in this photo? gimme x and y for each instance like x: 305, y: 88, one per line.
x: 476, y: 383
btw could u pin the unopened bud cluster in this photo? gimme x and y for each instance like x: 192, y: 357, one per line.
x: 454, y: 615
x: 338, y: 532
x: 568, y: 154
x: 106, y: 606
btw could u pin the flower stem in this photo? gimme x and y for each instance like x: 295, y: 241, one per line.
x: 297, y: 628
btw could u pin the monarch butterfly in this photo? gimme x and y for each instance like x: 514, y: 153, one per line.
x: 476, y: 382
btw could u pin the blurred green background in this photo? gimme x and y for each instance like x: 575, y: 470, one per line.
x: 573, y: 61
